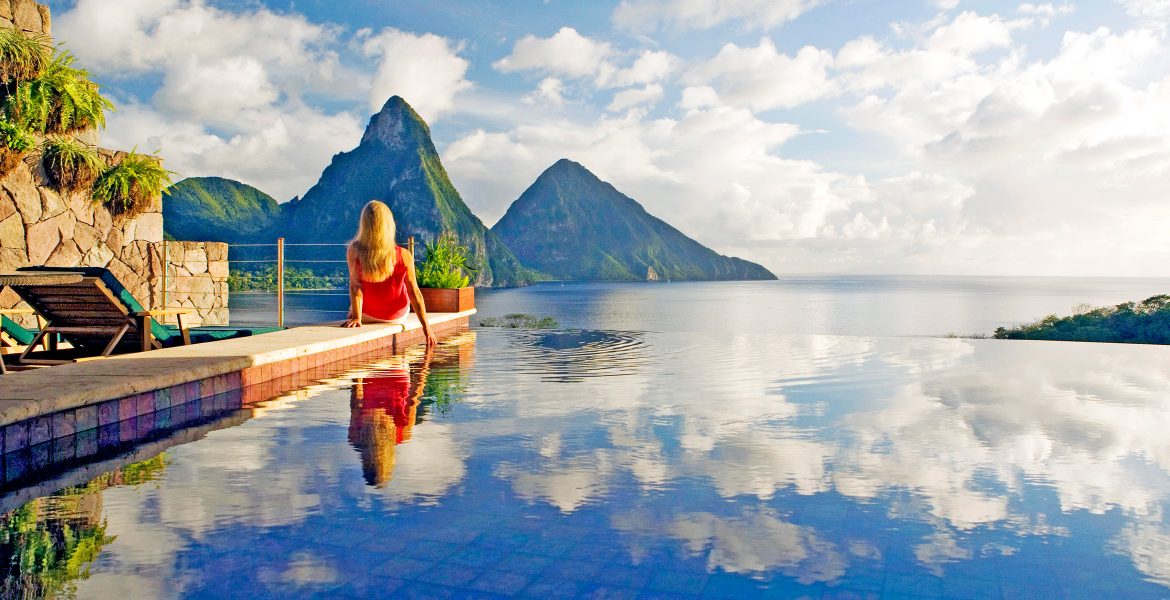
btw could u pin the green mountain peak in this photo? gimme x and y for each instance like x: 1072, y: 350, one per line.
x: 572, y: 225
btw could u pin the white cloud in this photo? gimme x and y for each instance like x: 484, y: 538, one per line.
x: 630, y: 98
x: 1155, y: 10
x: 550, y: 90
x: 651, y: 15
x: 762, y: 78
x: 424, y: 69
x: 650, y: 67
x: 236, y: 91
x: 281, y: 151
x: 565, y: 53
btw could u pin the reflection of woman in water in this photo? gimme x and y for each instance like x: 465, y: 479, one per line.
x: 383, y: 410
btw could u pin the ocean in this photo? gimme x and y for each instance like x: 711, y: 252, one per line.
x: 829, y: 305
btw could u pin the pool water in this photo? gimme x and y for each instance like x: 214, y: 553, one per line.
x: 638, y: 464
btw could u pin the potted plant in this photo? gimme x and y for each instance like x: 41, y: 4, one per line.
x: 71, y: 165
x: 61, y: 100
x: 14, y: 143
x: 442, y: 278
x: 130, y: 187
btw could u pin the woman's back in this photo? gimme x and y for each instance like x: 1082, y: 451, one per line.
x: 387, y: 299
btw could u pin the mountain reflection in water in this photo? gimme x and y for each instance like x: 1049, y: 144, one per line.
x: 564, y: 463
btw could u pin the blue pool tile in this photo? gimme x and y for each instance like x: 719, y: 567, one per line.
x: 430, y: 550
x: 40, y: 430
x: 477, y: 556
x: 40, y: 456
x: 654, y: 595
x: 678, y: 582
x: 1024, y: 592
x: 848, y: 594
x: 623, y: 576
x: 64, y: 423
x: 403, y: 567
x: 16, y: 437
x: 525, y: 563
x: 109, y: 436
x: 86, y: 418
x: 579, y: 570
x: 420, y: 590
x: 16, y: 464
x: 962, y: 588
x: 596, y: 552
x: 449, y: 574
x: 508, y: 583
x: 64, y: 449
x: 923, y: 586
x: 607, y: 592
x: 501, y: 539
x: 553, y: 588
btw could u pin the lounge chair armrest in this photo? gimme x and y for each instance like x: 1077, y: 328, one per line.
x: 166, y: 312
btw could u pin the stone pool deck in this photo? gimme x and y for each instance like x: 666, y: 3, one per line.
x: 61, y: 400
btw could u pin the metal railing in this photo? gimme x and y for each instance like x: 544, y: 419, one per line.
x: 280, y: 260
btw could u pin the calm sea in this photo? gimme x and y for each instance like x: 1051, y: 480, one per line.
x: 866, y: 306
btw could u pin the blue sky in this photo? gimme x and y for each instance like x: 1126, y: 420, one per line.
x: 927, y: 136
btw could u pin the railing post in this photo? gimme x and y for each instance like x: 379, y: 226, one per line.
x: 410, y: 245
x: 166, y: 261
x: 280, y: 282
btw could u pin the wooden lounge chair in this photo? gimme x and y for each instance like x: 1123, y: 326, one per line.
x: 99, y: 317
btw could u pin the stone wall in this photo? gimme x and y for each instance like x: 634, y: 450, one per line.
x: 26, y: 15
x: 197, y: 278
x: 39, y: 226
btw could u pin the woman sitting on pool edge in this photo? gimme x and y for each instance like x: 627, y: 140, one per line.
x: 382, y: 285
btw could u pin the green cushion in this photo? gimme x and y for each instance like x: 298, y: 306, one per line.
x: 22, y: 336
x: 212, y: 333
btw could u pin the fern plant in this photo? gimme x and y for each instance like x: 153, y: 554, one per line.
x: 444, y: 264
x: 61, y: 100
x: 71, y: 165
x: 14, y: 142
x: 22, y: 57
x: 129, y: 188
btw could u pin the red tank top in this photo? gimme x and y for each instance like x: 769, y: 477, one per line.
x: 387, y: 300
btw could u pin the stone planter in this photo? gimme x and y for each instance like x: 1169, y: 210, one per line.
x: 442, y: 300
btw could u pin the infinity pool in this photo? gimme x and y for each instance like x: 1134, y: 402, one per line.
x: 624, y: 464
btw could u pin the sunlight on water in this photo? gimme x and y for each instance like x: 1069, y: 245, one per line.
x: 581, y: 462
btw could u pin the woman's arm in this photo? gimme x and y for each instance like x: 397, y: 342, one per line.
x: 354, y: 318
x: 416, y: 299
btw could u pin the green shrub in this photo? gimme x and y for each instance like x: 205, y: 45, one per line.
x: 1146, y: 322
x: 70, y: 164
x: 22, y: 57
x: 15, y: 138
x: 61, y: 100
x: 444, y: 264
x: 14, y: 142
x: 130, y: 187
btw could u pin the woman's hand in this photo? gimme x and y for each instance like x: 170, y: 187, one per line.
x: 431, y: 341
x: 352, y: 323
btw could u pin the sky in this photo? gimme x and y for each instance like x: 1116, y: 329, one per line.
x: 947, y: 137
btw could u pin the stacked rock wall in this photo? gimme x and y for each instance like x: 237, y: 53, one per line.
x: 39, y: 226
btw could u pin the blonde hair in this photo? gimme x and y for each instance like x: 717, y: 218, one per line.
x: 374, y: 243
